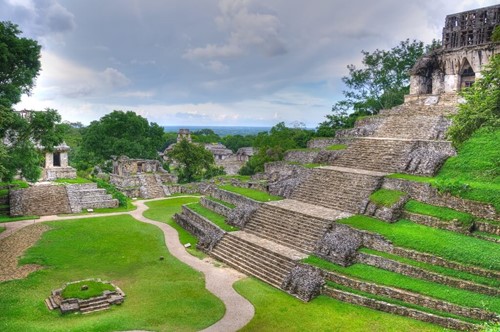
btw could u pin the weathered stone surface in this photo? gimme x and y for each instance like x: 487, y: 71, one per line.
x: 327, y: 156
x: 207, y: 232
x: 387, y: 213
x: 410, y: 297
x: 240, y: 215
x: 426, y: 157
x: 215, y: 206
x: 339, y: 244
x: 284, y: 178
x: 39, y: 200
x: 400, y: 310
x: 304, y: 281
x: 426, y: 193
x: 301, y: 156
x: 88, y: 196
x: 412, y: 271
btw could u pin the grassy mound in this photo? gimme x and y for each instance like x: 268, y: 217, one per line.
x: 256, y: 195
x: 94, y: 288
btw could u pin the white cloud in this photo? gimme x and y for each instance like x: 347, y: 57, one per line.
x: 114, y: 78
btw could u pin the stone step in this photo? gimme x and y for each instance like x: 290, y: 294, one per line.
x: 450, y: 323
x: 95, y: 308
x: 413, y: 126
x: 255, y: 258
x: 337, y: 189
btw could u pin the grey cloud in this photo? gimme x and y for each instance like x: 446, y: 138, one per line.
x: 114, y: 78
x: 186, y: 115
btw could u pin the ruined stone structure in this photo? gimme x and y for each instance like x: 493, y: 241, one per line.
x: 410, y: 138
x: 56, y: 164
x: 466, y: 49
x: 53, y: 199
x: 141, y: 177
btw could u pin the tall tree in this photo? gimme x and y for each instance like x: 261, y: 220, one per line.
x: 119, y: 133
x: 19, y: 64
x: 21, y: 139
x: 380, y: 83
x: 194, y: 162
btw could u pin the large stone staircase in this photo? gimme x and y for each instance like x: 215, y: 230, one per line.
x: 151, y: 186
x: 344, y: 189
x: 258, y: 257
x: 88, y: 196
x: 278, y: 235
x: 292, y: 223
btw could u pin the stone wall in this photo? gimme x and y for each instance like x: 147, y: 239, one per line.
x: 215, y: 206
x: 415, y: 272
x: 450, y: 323
x: 304, y: 281
x: 363, y: 127
x: 340, y: 243
x: 427, y: 157
x: 301, y: 156
x: 434, y: 260
x: 244, y: 210
x: 207, y: 232
x: 426, y: 193
x: 409, y: 297
x: 88, y: 196
x: 39, y: 200
x: 283, y: 178
x: 387, y: 213
x: 452, y: 225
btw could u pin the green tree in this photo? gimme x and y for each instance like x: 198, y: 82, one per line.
x: 21, y: 139
x: 194, y: 162
x: 482, y: 106
x: 25, y: 142
x: 205, y: 136
x: 234, y: 142
x: 380, y: 83
x: 272, y: 145
x: 119, y: 133
x: 495, y: 37
x: 19, y: 64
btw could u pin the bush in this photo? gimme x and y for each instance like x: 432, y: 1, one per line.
x: 122, y: 199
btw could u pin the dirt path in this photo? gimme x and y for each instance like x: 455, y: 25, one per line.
x: 218, y: 280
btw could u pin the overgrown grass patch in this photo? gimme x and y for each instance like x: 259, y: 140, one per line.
x: 214, y: 217
x: 94, y: 288
x: 446, y: 244
x: 428, y: 288
x: 410, y: 177
x: 275, y: 310
x: 162, y: 295
x: 4, y: 219
x: 442, y: 213
x: 336, y: 147
x: 257, y: 195
x: 226, y: 204
x: 386, y: 197
x: 77, y: 180
x: 438, y: 269
x: 15, y: 184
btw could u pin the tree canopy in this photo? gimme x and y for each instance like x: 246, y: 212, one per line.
x: 194, y: 162
x: 19, y: 64
x: 380, y: 83
x: 272, y: 145
x: 21, y: 139
x: 482, y: 106
x: 119, y: 133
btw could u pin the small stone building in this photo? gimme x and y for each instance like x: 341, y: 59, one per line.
x: 56, y: 164
x: 219, y: 151
x: 466, y: 49
x: 141, y: 177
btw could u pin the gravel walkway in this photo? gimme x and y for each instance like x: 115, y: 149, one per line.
x: 218, y: 280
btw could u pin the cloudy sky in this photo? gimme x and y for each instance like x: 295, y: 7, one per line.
x: 211, y: 62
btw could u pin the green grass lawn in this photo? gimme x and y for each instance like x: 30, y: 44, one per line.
x: 163, y: 210
x: 336, y: 147
x: 442, y: 213
x: 77, y: 180
x: 449, y: 245
x: 94, y: 288
x: 386, y: 197
x: 162, y: 295
x: 388, y: 278
x: 216, y: 218
x: 277, y: 311
x: 257, y: 195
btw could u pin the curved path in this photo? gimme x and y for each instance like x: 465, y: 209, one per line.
x: 219, y: 281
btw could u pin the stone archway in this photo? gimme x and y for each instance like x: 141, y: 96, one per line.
x: 467, y: 74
